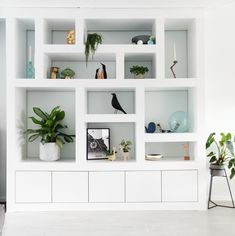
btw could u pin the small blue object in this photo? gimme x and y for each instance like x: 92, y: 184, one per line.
x: 30, y: 72
x: 151, y: 128
x: 178, y: 122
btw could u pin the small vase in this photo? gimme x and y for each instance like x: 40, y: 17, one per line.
x: 49, y: 152
x: 125, y: 156
x: 30, y: 72
x: 140, y: 76
x: 217, y: 170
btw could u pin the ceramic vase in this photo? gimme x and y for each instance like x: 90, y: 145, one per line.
x: 49, y: 152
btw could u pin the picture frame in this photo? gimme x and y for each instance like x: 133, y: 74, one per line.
x: 98, y: 142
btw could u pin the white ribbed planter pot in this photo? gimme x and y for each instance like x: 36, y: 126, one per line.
x: 140, y: 76
x: 49, y: 152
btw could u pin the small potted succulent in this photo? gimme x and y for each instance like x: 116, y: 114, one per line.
x: 139, y: 71
x: 222, y: 155
x: 111, y: 154
x: 50, y: 131
x: 91, y: 45
x: 67, y: 73
x: 125, y: 147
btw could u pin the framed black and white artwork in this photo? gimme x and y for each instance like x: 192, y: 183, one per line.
x: 98, y: 142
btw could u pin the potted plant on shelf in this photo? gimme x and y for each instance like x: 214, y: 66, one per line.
x: 139, y: 71
x: 125, y: 147
x: 50, y: 131
x: 222, y: 155
x: 91, y: 45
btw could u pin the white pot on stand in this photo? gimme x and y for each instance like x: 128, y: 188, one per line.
x: 49, y: 152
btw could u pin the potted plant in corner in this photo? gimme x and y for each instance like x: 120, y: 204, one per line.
x: 222, y: 155
x: 139, y: 71
x: 91, y: 45
x: 50, y: 131
x: 125, y: 147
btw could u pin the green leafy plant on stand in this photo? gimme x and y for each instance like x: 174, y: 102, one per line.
x: 50, y: 127
x: 91, y: 45
x: 223, y: 153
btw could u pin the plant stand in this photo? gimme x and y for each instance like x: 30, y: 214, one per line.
x: 213, y: 174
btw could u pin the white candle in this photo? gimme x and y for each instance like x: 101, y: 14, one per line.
x: 175, y: 52
x: 30, y: 53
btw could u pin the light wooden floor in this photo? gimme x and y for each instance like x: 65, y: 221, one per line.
x: 215, y: 222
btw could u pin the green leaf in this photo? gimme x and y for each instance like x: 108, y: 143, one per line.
x: 59, y: 142
x: 213, y: 159
x: 60, y: 116
x: 33, y: 137
x: 232, y: 173
x: 40, y: 113
x: 210, y: 154
x: 49, y: 122
x: 210, y: 140
x: 68, y: 139
x: 229, y: 146
x: 35, y: 121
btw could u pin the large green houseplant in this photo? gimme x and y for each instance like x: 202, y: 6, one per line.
x: 50, y: 133
x: 223, y: 153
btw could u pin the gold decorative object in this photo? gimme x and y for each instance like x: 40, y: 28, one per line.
x: 71, y: 37
x: 55, y: 72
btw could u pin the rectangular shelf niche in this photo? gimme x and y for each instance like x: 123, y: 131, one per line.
x: 77, y: 63
x: 182, y: 33
x: 140, y: 59
x: 46, y: 99
x: 171, y: 151
x: 161, y: 104
x: 25, y: 38
x: 99, y: 102
x: 120, y: 31
x: 118, y: 132
x: 55, y: 30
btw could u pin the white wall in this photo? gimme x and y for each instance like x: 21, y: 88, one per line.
x: 220, y: 78
x: 2, y: 113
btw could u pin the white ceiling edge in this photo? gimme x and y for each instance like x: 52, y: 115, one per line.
x: 115, y: 4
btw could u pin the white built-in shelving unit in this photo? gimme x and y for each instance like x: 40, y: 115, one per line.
x: 73, y: 183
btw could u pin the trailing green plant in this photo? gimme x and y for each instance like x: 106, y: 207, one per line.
x: 91, y: 45
x: 126, y: 145
x: 224, y: 152
x: 49, y: 127
x: 138, y: 70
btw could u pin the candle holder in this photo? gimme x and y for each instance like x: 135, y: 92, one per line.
x: 172, y: 70
x: 30, y: 71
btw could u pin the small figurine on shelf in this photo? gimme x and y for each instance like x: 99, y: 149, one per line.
x: 185, y: 147
x: 151, y: 128
x: 160, y: 130
x: 101, y: 72
x: 55, y: 72
x: 71, y: 37
x: 151, y: 40
x: 67, y: 73
x: 116, y: 105
x: 30, y: 71
x: 111, y: 154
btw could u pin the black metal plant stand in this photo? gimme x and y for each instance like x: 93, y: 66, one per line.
x: 213, y: 174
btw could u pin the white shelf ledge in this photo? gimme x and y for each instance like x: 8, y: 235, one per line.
x: 170, y: 137
x: 100, y: 118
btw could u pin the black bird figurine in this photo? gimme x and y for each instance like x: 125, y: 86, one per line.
x: 116, y: 105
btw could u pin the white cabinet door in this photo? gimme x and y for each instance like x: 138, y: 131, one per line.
x: 106, y: 186
x: 143, y: 186
x: 70, y: 187
x: 179, y: 186
x: 33, y: 186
